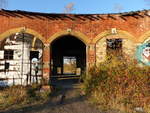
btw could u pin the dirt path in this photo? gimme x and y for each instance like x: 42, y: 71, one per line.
x: 65, y: 101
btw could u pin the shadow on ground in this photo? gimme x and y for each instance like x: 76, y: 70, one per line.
x: 67, y: 99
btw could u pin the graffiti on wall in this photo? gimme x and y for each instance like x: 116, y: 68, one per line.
x: 143, y: 53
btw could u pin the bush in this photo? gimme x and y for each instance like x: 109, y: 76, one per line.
x: 119, y: 84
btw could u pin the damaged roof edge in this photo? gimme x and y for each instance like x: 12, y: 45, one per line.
x: 40, y: 13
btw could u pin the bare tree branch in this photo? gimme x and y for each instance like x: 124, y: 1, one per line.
x: 69, y: 7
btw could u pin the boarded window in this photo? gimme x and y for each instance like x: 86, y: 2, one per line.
x: 114, y: 47
x: 8, y: 54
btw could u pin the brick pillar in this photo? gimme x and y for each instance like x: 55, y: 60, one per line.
x: 91, y: 55
x: 46, y: 63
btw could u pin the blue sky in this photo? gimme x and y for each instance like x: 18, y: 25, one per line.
x: 80, y: 6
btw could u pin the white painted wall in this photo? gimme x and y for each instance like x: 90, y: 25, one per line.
x: 14, y: 74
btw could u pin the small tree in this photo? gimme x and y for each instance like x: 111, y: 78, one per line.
x: 69, y: 7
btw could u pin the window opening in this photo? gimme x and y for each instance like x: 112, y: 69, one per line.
x: 69, y: 65
x: 114, y: 47
x: 8, y: 54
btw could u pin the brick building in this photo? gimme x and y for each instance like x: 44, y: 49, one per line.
x: 51, y: 41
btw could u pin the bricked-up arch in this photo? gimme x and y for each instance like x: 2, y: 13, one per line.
x: 128, y: 44
x: 76, y: 34
x: 19, y: 50
x: 27, y: 30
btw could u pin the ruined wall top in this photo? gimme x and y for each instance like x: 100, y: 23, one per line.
x: 61, y: 16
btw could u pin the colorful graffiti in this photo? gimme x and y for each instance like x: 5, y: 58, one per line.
x: 143, y: 53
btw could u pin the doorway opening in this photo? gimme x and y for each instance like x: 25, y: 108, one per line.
x: 68, y: 56
x: 69, y: 65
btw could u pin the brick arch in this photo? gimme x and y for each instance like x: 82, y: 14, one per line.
x: 27, y: 30
x: 128, y: 43
x: 145, y: 37
x: 77, y: 34
x: 120, y: 34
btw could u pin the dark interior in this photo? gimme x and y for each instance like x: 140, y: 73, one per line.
x: 67, y: 46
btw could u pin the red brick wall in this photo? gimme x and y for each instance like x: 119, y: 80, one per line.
x: 91, y: 28
x: 47, y: 27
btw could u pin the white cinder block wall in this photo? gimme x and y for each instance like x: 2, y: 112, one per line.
x: 16, y: 75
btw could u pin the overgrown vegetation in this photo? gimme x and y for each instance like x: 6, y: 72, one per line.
x: 119, y: 84
x: 18, y: 96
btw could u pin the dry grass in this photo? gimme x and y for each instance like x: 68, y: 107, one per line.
x: 119, y: 84
x: 18, y: 96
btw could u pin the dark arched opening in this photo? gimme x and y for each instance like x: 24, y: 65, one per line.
x: 68, y: 56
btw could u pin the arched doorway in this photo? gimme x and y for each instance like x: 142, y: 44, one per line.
x: 68, y: 57
x: 21, y: 59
